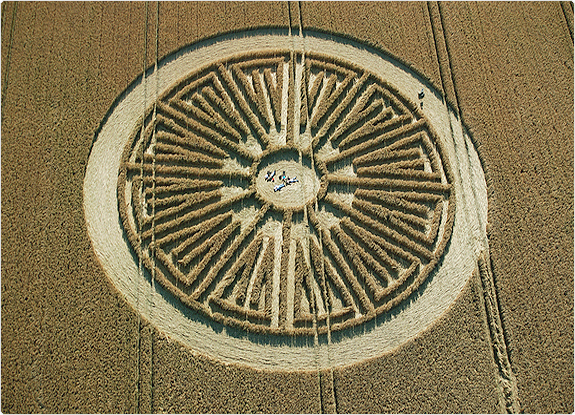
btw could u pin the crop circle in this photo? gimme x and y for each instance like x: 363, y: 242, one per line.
x: 225, y: 149
x: 361, y: 239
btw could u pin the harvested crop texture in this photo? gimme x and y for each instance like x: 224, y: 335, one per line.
x: 346, y: 237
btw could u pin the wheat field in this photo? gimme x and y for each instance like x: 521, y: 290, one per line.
x: 356, y: 237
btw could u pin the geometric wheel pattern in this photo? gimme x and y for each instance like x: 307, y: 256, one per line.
x: 363, y: 227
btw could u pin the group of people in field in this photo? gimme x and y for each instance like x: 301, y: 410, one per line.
x: 285, y: 180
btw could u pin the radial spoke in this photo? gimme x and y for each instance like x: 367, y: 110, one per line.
x: 242, y: 268
x: 214, y: 271
x: 208, y: 134
x: 194, y: 215
x: 215, y: 244
x: 241, y: 102
x: 385, y: 155
x: 385, y: 215
x: 188, y: 142
x: 371, y: 144
x: 368, y: 183
x: 338, y: 259
x: 382, y: 230
x: 194, y: 201
x: 221, y: 98
x: 193, y: 234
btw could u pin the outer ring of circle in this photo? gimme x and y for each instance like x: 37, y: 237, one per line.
x: 182, y: 324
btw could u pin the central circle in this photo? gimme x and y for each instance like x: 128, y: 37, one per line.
x: 286, y: 178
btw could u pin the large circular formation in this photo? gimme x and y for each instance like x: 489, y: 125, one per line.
x: 286, y: 192
x: 285, y: 201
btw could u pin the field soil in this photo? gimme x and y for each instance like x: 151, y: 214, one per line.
x: 71, y: 343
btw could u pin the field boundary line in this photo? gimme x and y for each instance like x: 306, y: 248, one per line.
x: 8, y: 57
x: 434, y: 29
x: 154, y: 140
x: 326, y: 381
x: 506, y: 380
x: 569, y: 22
x: 443, y: 55
x: 140, y: 267
x: 150, y: 332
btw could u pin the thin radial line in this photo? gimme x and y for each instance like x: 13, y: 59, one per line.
x: 197, y: 129
x: 397, y: 238
x: 241, y: 102
x: 188, y: 204
x: 190, y: 235
x: 233, y: 275
x: 372, y: 144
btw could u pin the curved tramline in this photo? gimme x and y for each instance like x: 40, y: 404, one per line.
x: 286, y: 193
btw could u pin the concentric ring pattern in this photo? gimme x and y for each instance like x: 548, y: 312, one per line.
x: 357, y: 224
